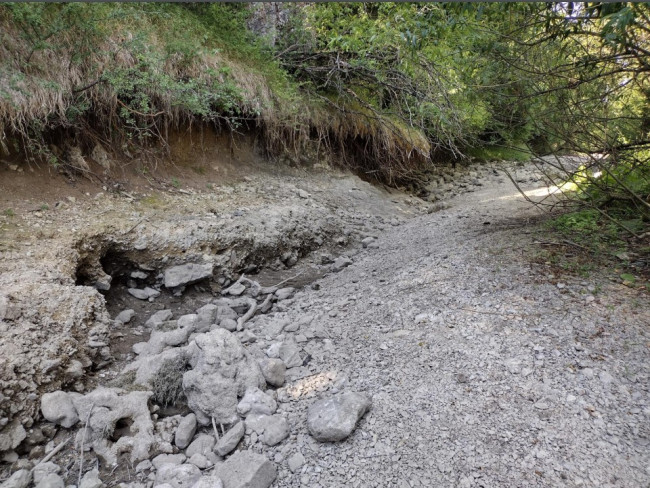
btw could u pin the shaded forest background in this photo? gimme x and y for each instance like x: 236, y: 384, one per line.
x: 382, y: 88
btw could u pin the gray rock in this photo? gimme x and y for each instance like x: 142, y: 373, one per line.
x: 12, y: 435
x: 236, y: 290
x: 119, y: 422
x: 208, y: 482
x: 226, y: 312
x: 276, y: 429
x: 44, y: 469
x: 239, y: 305
x: 74, y: 370
x: 178, y: 476
x: 222, y: 370
x: 144, y: 294
x: 256, y: 402
x: 186, y: 274
x: 163, y: 339
x: 246, y: 469
x: 51, y: 481
x: 143, y: 466
x: 229, y: 324
x: 273, y: 370
x: 206, y: 317
x: 20, y: 479
x: 247, y: 337
x: 57, y: 407
x: 161, y: 459
x: 200, y: 461
x: 285, y: 293
x: 229, y: 441
x: 333, y: 419
x: 296, y: 461
x: 9, y: 457
x: 367, y: 241
x: 125, y: 316
x: 290, y: 354
x: 340, y: 263
x: 158, y: 318
x: 185, y: 431
x: 91, y: 480
x: 203, y: 444
x: 139, y: 275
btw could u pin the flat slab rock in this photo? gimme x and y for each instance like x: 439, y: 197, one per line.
x: 246, y: 469
x: 335, y: 418
x: 186, y: 274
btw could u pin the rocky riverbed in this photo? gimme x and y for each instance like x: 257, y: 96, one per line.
x: 316, y: 331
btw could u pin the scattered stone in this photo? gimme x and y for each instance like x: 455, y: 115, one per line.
x: 289, y: 353
x: 285, y: 293
x: 247, y: 337
x: 340, y: 263
x: 229, y: 324
x: 333, y: 419
x: 208, y: 482
x: 186, y: 274
x: 101, y: 157
x: 276, y: 429
x: 246, y: 469
x: 222, y: 370
x: 200, y: 461
x: 125, y: 316
x: 229, y: 441
x: 236, y: 289
x: 273, y: 370
x: 185, y: 431
x: 302, y: 194
x: 91, y: 480
x: 57, y: 407
x: 157, y: 319
x: 206, y: 317
x: 9, y: 457
x: 12, y: 435
x: 44, y: 469
x: 296, y: 461
x: 20, y: 479
x: 178, y: 476
x: 51, y: 481
x: 256, y: 402
x: 143, y: 466
x: 368, y: 240
x: 162, y: 459
x: 203, y: 444
x: 119, y: 422
x: 144, y: 294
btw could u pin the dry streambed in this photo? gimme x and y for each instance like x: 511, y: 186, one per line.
x: 199, y: 374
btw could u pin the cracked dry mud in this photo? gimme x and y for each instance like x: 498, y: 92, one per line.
x: 483, y: 371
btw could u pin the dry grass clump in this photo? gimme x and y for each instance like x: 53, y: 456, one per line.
x: 125, y: 76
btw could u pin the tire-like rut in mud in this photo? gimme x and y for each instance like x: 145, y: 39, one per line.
x: 484, y: 370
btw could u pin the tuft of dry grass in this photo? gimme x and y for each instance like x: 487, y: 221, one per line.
x: 63, y: 93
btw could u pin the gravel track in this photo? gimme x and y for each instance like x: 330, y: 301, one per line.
x: 484, y: 370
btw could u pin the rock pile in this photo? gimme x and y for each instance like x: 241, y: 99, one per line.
x: 229, y: 371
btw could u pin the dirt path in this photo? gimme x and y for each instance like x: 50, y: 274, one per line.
x: 484, y: 370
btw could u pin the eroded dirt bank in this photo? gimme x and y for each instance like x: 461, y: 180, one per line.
x: 480, y: 369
